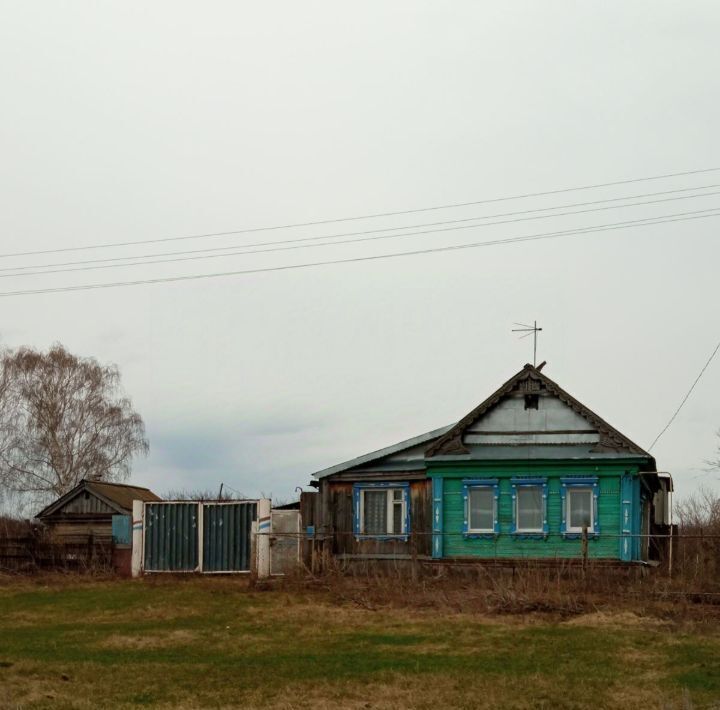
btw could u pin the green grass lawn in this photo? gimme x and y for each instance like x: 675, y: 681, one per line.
x: 216, y: 643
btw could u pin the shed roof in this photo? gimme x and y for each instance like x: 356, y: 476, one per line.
x: 119, y: 496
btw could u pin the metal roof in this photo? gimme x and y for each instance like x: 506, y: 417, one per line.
x: 382, y: 453
x: 537, y: 452
x: 447, y: 443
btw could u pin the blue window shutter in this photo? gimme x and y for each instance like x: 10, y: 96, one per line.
x: 466, y: 510
x: 596, y: 495
x: 356, y: 509
x: 513, y: 525
x: 496, y: 517
x: 406, y: 499
x: 545, y: 513
x: 563, y: 502
x: 437, y: 543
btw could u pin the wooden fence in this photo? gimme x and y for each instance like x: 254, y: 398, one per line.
x: 33, y: 552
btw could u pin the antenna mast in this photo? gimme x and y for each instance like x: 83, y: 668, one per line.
x: 529, y: 330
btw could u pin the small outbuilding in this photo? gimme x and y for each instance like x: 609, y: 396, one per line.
x: 94, y: 508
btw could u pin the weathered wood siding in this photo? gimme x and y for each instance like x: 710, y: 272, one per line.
x: 84, y: 504
x: 82, y: 528
x: 337, y: 500
x: 554, y: 545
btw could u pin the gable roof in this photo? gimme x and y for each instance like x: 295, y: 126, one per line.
x: 530, y: 379
x: 118, y: 496
x: 398, y: 448
x: 609, y: 443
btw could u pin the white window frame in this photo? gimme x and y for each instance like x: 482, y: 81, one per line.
x: 391, y: 501
x: 543, y: 512
x: 571, y: 491
x: 491, y: 490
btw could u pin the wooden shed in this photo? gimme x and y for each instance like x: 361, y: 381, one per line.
x: 89, y: 508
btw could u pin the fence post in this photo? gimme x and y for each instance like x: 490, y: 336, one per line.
x: 584, y: 546
x: 201, y: 536
x: 262, y: 540
x: 138, y: 522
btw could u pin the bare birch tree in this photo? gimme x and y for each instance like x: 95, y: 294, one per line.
x: 63, y: 418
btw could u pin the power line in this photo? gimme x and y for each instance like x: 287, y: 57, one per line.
x: 245, y: 251
x: 226, y: 251
x: 377, y: 257
x: 687, y: 396
x: 354, y: 218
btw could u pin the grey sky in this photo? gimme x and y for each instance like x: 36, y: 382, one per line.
x: 130, y: 121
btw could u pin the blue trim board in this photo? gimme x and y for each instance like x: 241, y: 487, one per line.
x: 437, y: 524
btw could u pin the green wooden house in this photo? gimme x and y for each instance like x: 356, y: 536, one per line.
x: 529, y: 473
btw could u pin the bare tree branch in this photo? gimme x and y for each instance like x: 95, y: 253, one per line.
x: 63, y: 418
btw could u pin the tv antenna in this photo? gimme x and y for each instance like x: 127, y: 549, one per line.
x: 529, y: 330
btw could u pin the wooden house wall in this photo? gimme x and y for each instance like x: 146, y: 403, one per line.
x: 337, y: 503
x: 67, y: 528
x: 80, y: 517
x: 554, y: 545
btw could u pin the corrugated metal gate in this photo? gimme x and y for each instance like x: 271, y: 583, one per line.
x: 226, y: 536
x: 198, y: 537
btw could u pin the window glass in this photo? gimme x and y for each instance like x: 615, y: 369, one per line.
x: 398, y: 516
x: 529, y: 508
x: 482, y: 508
x: 375, y: 512
x: 580, y: 508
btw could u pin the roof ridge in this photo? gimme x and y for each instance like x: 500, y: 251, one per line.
x: 114, y: 483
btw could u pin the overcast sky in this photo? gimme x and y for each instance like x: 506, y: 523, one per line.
x: 137, y: 121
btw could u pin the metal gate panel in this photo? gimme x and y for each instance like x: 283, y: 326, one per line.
x: 171, y: 537
x: 226, y: 536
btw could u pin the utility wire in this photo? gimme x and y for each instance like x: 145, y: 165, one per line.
x: 354, y: 218
x: 245, y: 251
x: 687, y: 396
x: 223, y: 250
x: 377, y: 257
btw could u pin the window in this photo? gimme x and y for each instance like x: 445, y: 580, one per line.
x: 480, y: 497
x: 579, y: 501
x: 530, y: 508
x: 529, y: 505
x: 482, y: 510
x: 381, y: 509
x: 579, y: 509
x: 532, y: 401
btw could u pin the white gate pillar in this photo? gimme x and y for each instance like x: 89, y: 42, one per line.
x: 262, y: 540
x: 138, y: 522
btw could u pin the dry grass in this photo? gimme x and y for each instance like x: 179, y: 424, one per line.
x: 457, y: 642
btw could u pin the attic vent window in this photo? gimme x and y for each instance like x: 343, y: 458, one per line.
x: 87, y: 495
x: 532, y: 401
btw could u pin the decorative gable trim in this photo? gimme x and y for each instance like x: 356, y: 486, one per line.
x: 530, y: 379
